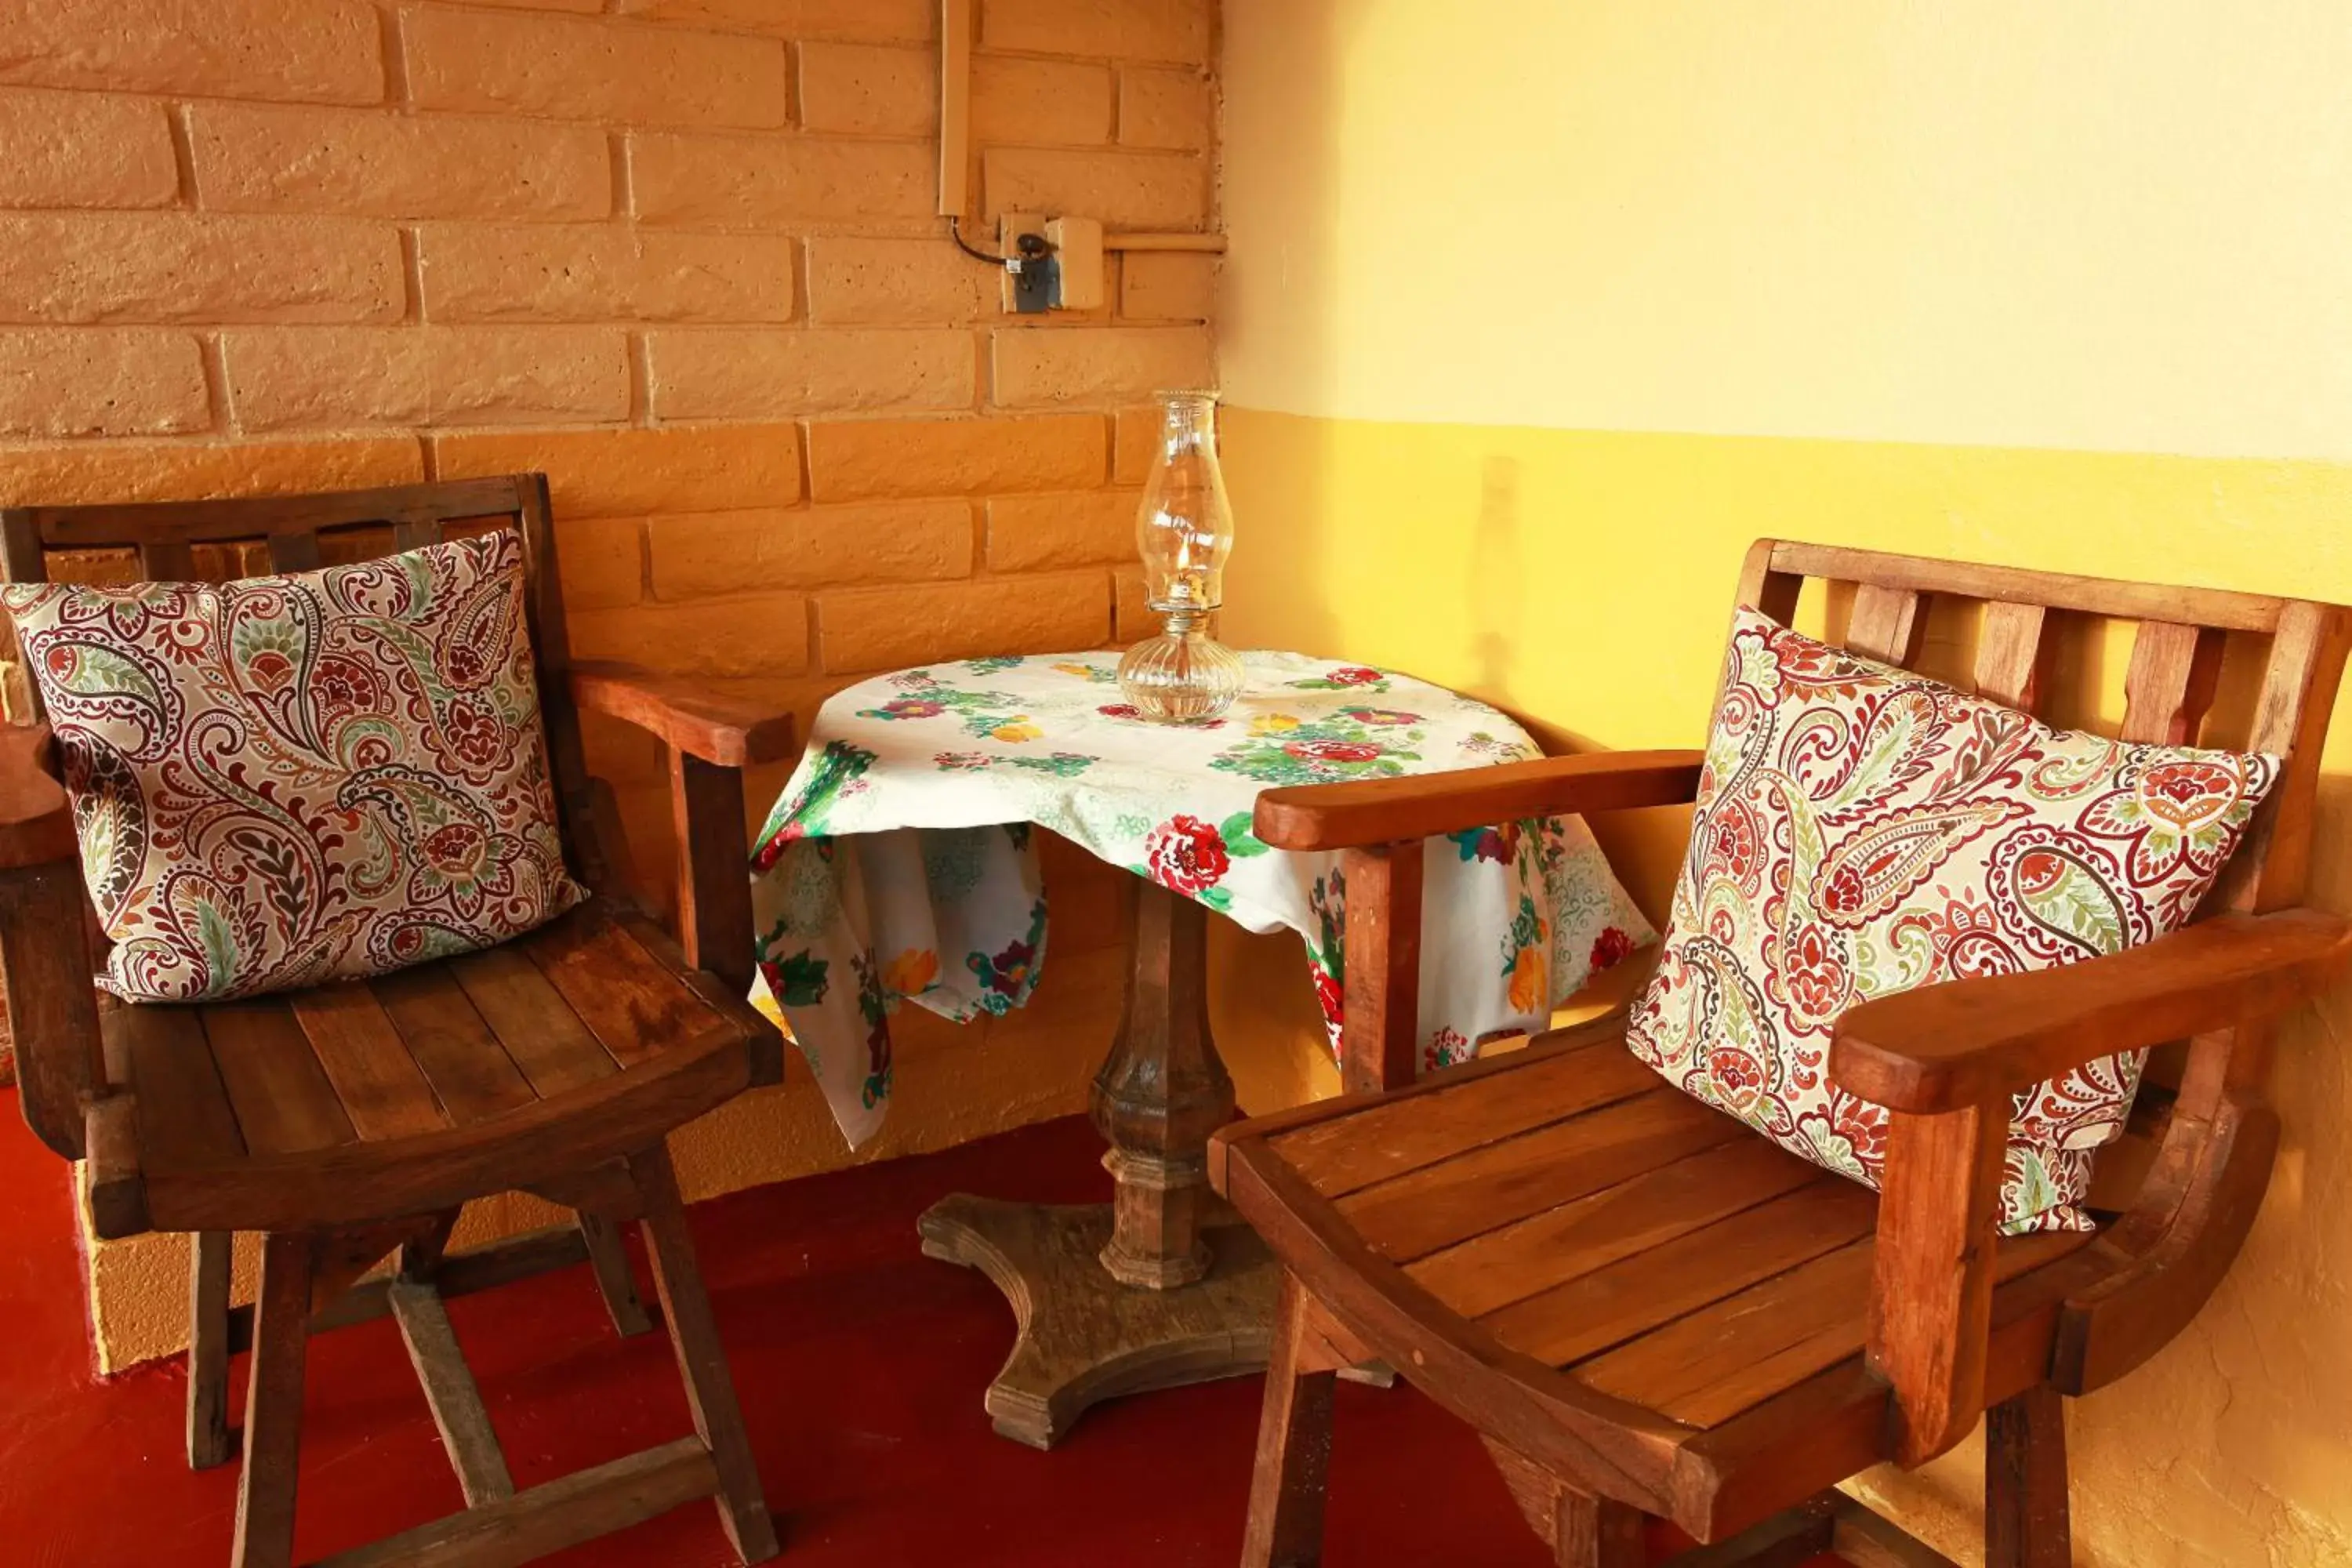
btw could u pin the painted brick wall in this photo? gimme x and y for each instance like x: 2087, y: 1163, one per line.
x: 680, y: 254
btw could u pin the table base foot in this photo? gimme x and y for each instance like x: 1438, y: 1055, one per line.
x: 1084, y: 1337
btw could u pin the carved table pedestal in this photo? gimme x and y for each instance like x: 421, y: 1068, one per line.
x: 1162, y: 1285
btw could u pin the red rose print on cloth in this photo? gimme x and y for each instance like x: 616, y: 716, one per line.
x: 1611, y: 948
x: 1333, y: 750
x: 1186, y: 854
x: 1008, y: 974
x: 1444, y: 1049
x: 1329, y: 997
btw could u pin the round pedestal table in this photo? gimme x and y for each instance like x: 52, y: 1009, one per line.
x: 899, y: 865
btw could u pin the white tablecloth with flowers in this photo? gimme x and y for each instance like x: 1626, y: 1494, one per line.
x: 898, y: 864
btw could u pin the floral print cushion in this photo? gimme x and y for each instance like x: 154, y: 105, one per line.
x: 1861, y: 830
x: 289, y: 780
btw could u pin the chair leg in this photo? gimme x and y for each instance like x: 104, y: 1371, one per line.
x: 1582, y: 1530
x: 609, y: 1261
x: 1294, y: 1445
x: 421, y: 1256
x: 273, y: 1405
x: 702, y: 1359
x: 208, y: 1261
x: 2026, y: 1482
x: 1597, y: 1532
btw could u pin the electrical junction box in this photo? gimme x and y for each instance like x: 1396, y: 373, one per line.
x: 1060, y: 263
x: 1078, y: 244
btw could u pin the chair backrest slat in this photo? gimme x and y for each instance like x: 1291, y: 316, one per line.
x: 362, y: 523
x: 2290, y: 718
x: 253, y: 517
x: 2170, y: 683
x: 167, y: 561
x: 22, y: 557
x: 2013, y: 655
x: 2052, y: 590
x: 294, y: 552
x: 1885, y: 624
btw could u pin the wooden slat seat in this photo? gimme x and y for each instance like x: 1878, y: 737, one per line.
x: 371, y: 1093
x: 1593, y: 1240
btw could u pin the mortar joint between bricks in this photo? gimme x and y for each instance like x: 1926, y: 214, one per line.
x: 184, y: 155
x: 213, y: 363
x: 641, y: 387
x: 412, y: 274
x: 624, y: 191
x: 392, y: 40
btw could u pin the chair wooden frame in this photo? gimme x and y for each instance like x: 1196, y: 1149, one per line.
x: 1959, y: 1322
x: 329, y: 1213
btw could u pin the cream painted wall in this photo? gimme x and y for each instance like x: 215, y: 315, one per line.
x: 2119, y: 224
x: 1528, y: 304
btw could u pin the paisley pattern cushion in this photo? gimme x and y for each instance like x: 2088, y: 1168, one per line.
x: 293, y: 779
x: 1862, y: 830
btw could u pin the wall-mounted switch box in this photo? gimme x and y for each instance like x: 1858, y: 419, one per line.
x: 1060, y: 263
x: 1031, y: 275
x: 1078, y: 260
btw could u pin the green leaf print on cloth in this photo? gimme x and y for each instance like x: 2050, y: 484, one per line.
x: 803, y: 813
x: 804, y: 981
x: 990, y: 715
x: 1061, y: 765
x: 1355, y: 743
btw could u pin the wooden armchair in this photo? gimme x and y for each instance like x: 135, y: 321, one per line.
x: 350, y: 1121
x: 1576, y: 1259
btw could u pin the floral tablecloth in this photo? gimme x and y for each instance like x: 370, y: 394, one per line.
x: 898, y: 863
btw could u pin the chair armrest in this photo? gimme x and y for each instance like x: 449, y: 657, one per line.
x: 1388, y: 811
x: 711, y: 738
x: 1975, y: 1042
x: 727, y: 731
x: 36, y: 823
x: 1945, y: 1059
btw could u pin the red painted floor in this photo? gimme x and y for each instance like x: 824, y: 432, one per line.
x: 860, y: 1362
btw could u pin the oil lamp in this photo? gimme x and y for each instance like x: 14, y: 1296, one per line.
x: 1184, y: 528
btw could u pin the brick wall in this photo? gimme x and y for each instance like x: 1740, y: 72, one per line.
x: 682, y: 255
x: 679, y: 253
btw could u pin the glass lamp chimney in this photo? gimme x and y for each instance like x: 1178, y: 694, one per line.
x: 1185, y: 531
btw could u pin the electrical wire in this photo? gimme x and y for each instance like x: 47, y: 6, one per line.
x: 955, y: 232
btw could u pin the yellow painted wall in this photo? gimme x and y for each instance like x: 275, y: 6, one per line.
x: 2109, y: 224
x: 1537, y: 313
